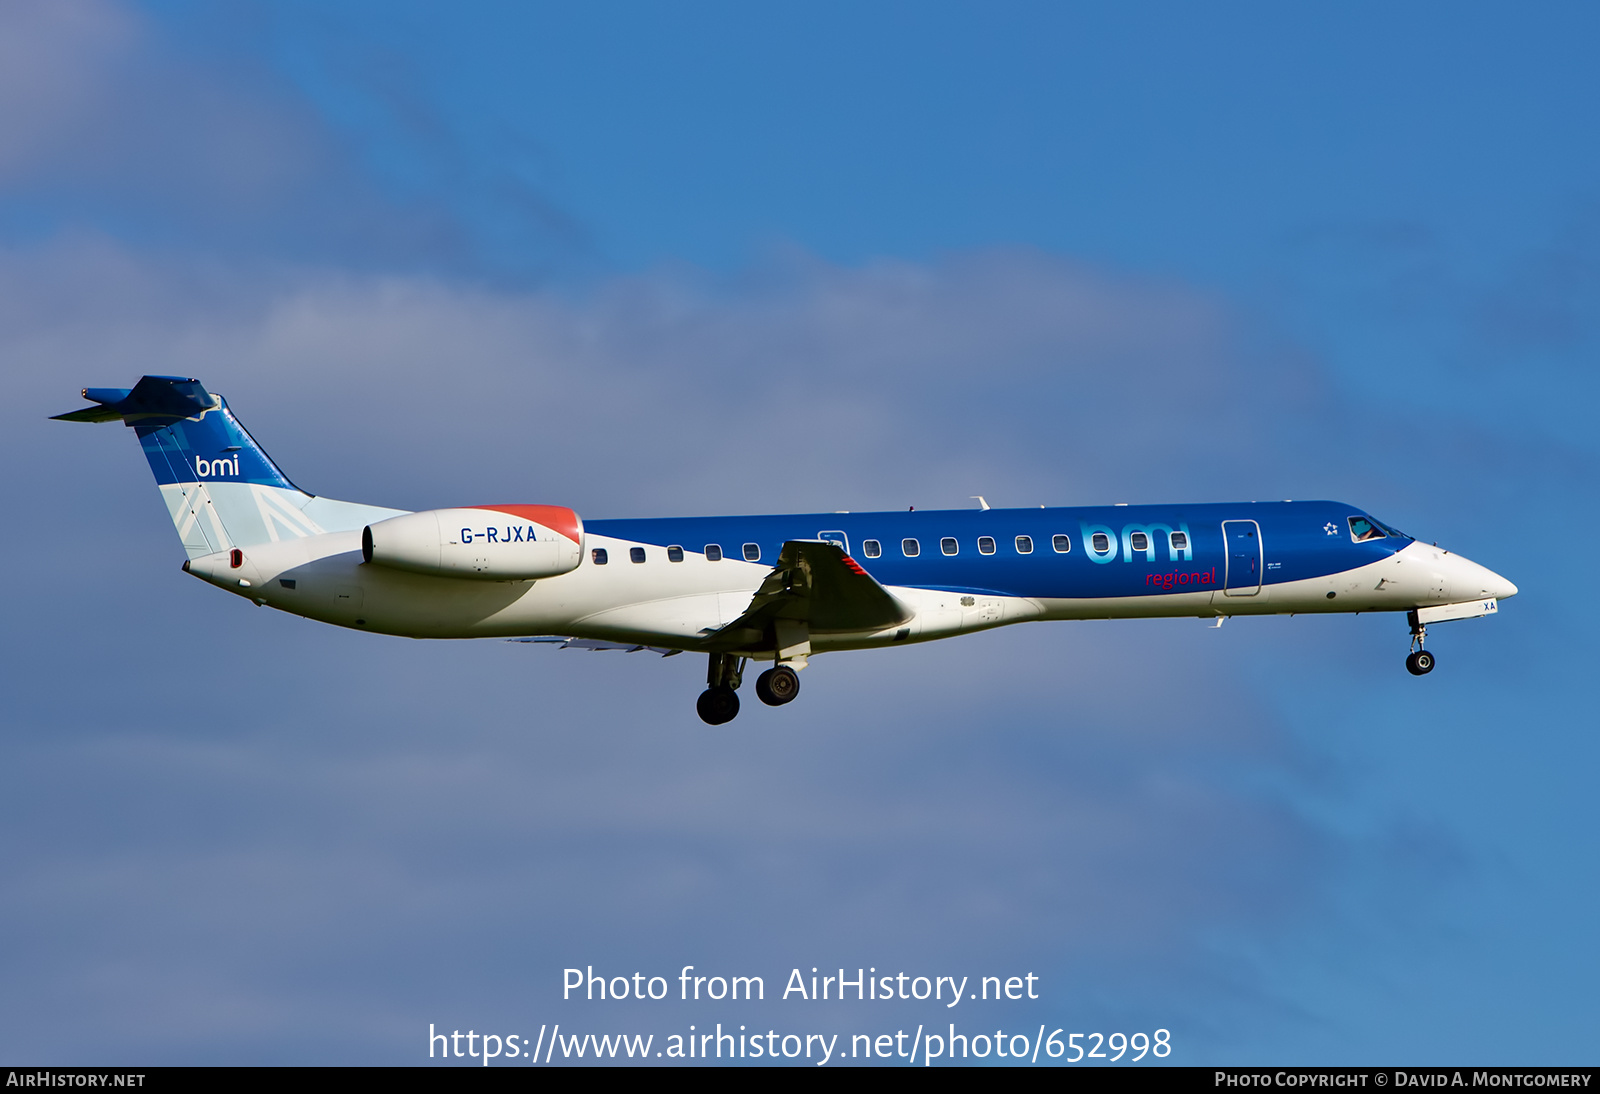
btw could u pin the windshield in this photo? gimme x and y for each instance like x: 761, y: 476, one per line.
x: 1391, y: 529
x: 1363, y: 529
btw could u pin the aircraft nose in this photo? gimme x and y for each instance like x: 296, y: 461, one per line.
x: 1480, y: 580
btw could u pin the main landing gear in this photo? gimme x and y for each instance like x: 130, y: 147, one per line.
x: 778, y: 686
x: 719, y: 703
x: 1420, y: 661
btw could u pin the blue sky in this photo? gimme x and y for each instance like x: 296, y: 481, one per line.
x: 615, y: 259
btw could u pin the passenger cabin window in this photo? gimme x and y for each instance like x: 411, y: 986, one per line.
x: 1180, y: 542
x: 1024, y: 545
x: 910, y: 547
x: 1139, y: 541
x: 752, y: 552
x: 1102, y: 543
x: 985, y: 545
x: 713, y: 552
x: 1062, y: 544
x: 675, y: 554
x: 1362, y: 530
x: 636, y: 553
x: 598, y: 555
x: 948, y: 546
x: 871, y: 548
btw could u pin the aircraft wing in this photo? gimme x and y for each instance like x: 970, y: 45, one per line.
x: 816, y: 584
x: 593, y: 644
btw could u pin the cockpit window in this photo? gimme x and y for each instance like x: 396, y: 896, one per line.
x: 1362, y: 529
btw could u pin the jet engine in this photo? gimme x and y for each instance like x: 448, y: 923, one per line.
x: 486, y: 542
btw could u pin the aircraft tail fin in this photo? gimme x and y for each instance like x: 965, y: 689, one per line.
x: 221, y: 488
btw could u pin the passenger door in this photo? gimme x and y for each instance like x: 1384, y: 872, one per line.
x: 1242, y: 570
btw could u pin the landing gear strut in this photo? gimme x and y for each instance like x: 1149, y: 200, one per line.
x: 778, y: 686
x: 1420, y: 661
x: 719, y: 703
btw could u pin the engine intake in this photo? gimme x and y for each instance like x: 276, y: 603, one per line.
x: 485, y: 542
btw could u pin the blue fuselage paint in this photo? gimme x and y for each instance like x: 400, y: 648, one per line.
x: 1297, y: 540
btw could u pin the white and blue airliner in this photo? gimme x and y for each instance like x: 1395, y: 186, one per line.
x: 759, y: 588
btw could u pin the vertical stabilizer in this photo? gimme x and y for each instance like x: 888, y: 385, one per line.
x: 221, y: 488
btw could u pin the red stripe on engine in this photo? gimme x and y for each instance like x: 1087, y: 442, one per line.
x: 557, y: 518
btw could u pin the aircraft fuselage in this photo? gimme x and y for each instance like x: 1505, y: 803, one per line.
x: 970, y: 570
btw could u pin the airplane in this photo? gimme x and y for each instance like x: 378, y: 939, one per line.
x: 759, y: 588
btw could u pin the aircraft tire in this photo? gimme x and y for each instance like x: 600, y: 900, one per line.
x: 717, y: 706
x: 778, y: 686
x: 1419, y: 663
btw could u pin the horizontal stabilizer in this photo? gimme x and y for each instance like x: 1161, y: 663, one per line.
x: 153, y: 401
x: 89, y: 414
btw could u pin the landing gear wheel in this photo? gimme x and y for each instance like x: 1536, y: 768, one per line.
x: 1420, y: 663
x: 778, y: 686
x: 717, y: 705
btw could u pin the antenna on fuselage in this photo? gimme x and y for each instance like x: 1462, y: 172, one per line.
x: 979, y: 499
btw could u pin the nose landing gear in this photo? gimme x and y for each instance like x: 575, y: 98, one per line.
x: 1420, y: 661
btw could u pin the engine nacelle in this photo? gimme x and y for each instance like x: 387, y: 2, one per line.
x: 486, y: 542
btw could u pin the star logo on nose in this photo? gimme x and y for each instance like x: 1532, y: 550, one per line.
x: 1331, y: 528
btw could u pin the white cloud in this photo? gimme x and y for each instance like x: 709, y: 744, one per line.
x: 56, y: 59
x: 1010, y: 374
